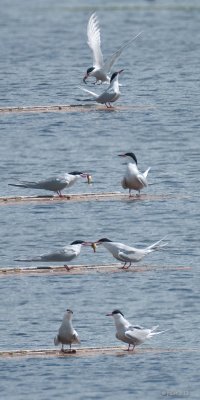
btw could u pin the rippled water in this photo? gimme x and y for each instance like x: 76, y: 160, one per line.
x: 43, y: 59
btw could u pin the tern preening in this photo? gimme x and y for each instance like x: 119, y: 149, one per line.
x: 55, y: 184
x: 66, y: 333
x: 65, y: 254
x: 100, y: 69
x: 133, y: 179
x: 111, y: 94
x: 127, y: 254
x: 133, y: 335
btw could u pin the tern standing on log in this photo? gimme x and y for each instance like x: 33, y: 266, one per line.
x: 101, y: 69
x: 65, y: 254
x: 66, y: 333
x: 111, y: 94
x: 127, y: 254
x: 55, y: 184
x: 133, y: 178
x: 133, y: 335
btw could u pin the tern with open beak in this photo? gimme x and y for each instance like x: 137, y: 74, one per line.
x: 66, y: 333
x: 111, y: 94
x: 127, y: 254
x: 55, y: 184
x: 65, y: 254
x: 133, y: 178
x: 127, y: 333
x: 100, y: 69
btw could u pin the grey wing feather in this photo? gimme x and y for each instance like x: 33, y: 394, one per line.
x: 109, y: 63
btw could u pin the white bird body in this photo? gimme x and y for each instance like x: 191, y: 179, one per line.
x: 111, y: 94
x: 127, y: 333
x: 66, y: 333
x: 133, y: 178
x: 127, y: 254
x: 65, y: 254
x: 100, y: 69
x: 54, y: 184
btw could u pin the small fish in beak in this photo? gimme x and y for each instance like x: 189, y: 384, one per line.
x: 94, y: 246
x: 89, y: 179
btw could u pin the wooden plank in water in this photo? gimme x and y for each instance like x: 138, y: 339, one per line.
x: 86, y: 269
x: 73, y: 108
x: 91, y: 351
x: 109, y: 196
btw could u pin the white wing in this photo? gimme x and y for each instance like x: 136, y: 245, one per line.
x: 142, y: 179
x: 109, y: 63
x: 89, y: 91
x: 146, y: 172
x: 94, y: 40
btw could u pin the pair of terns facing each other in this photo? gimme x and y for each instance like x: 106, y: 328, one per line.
x: 101, y: 69
x: 120, y: 251
x: 55, y: 184
x: 133, y: 335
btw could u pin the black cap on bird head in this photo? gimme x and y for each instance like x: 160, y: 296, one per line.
x: 89, y: 70
x: 69, y: 311
x: 103, y: 240
x: 117, y: 312
x: 77, y: 242
x: 132, y: 155
x: 115, y: 74
x: 75, y: 173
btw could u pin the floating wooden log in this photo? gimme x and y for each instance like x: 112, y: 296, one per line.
x: 73, y: 108
x: 114, y: 196
x: 86, y: 269
x: 91, y: 351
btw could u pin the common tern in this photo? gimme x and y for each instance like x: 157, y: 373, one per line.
x: 101, y: 69
x: 55, y: 184
x: 133, y: 179
x: 111, y: 94
x: 66, y: 333
x: 127, y: 254
x: 65, y: 254
x: 133, y: 335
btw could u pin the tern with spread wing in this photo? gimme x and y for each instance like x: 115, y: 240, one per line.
x: 100, y: 69
x: 133, y: 179
x: 65, y: 254
x: 66, y: 333
x: 54, y: 184
x: 127, y: 333
x: 111, y: 94
x: 127, y: 254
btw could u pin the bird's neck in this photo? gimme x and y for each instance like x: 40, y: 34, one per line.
x: 115, y: 85
x: 121, y: 323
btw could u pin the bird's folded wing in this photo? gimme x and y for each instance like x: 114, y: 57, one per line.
x: 94, y: 40
x: 128, y: 253
x: 111, y: 60
x: 136, y: 333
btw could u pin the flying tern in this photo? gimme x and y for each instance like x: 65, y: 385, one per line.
x: 55, y: 184
x: 111, y: 94
x: 133, y: 335
x: 65, y: 254
x: 101, y: 69
x: 133, y: 179
x: 66, y: 333
x: 127, y: 254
